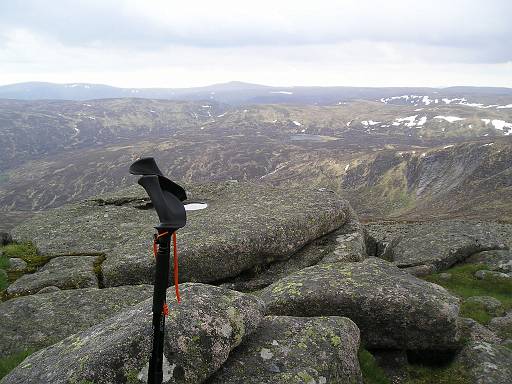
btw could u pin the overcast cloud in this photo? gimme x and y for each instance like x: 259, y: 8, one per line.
x: 158, y: 43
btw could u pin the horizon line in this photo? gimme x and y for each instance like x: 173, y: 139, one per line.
x: 250, y: 84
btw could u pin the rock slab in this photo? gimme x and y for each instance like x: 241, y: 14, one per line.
x: 245, y: 225
x: 496, y: 260
x: 41, y: 320
x: 66, y: 272
x: 392, y: 308
x: 487, y: 363
x: 347, y: 243
x: 417, y: 246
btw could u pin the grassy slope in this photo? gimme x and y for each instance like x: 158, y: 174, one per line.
x: 464, y: 284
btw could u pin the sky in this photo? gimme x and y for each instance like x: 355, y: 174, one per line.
x: 168, y: 43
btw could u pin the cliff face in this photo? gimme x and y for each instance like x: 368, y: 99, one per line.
x: 471, y: 180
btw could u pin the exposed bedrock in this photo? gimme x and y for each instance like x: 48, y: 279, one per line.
x: 345, y: 244
x: 244, y: 226
x: 487, y: 363
x: 422, y: 248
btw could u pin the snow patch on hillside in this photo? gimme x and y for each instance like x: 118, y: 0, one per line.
x: 501, y: 125
x: 367, y: 123
x: 450, y: 119
x: 422, y: 121
x: 409, y: 121
x: 426, y: 100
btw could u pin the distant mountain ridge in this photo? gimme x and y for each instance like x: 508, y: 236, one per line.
x: 237, y: 93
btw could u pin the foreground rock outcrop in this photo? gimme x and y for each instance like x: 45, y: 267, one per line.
x: 295, y: 350
x: 41, y: 320
x: 244, y: 226
x: 392, y: 308
x: 200, y: 333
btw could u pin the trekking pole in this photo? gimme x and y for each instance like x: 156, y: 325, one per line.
x: 167, y: 198
x: 160, y: 309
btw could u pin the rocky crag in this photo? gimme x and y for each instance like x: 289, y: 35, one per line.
x: 279, y: 286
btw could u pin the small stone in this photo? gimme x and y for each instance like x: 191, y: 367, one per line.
x: 16, y: 264
x: 502, y: 326
x: 266, y: 354
x: 492, y: 306
x: 445, y: 276
x: 484, y: 274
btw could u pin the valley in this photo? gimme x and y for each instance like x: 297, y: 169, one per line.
x: 403, y: 156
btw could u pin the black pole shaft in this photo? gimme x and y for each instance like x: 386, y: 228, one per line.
x: 155, y: 373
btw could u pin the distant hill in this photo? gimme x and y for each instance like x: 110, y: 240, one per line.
x: 237, y: 93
